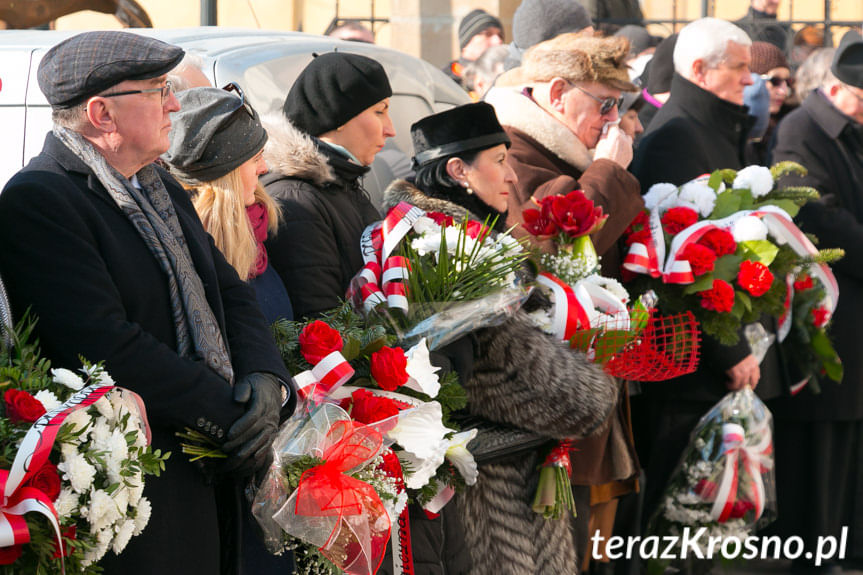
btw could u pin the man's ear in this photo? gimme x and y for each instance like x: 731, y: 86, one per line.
x: 455, y: 168
x: 99, y: 115
x: 834, y: 89
x: 699, y: 70
x: 556, y: 91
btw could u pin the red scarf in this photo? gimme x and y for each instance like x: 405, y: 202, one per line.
x: 260, y: 220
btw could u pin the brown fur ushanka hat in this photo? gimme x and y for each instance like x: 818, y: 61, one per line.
x: 577, y: 58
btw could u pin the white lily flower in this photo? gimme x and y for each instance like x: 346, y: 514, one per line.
x: 421, y: 430
x: 67, y: 378
x: 422, y: 469
x: 461, y: 458
x: 422, y: 374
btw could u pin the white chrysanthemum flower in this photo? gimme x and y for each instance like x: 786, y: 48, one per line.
x: 421, y: 431
x: 699, y: 195
x: 48, y: 400
x: 104, y: 378
x: 102, y: 543
x: 422, y: 374
x: 425, y: 225
x: 67, y: 378
x: 748, y: 228
x: 461, y: 458
x: 80, y: 420
x: 123, y: 534
x: 118, y: 449
x: 659, y: 196
x: 103, y: 511
x: 757, y: 179
x: 101, y: 434
x: 104, y: 407
x: 142, y: 515
x: 121, y: 500
x: 611, y: 284
x: 78, y: 472
x: 67, y: 502
x: 137, y: 488
x: 68, y: 449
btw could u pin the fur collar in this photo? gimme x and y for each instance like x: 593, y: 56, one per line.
x: 516, y: 110
x: 404, y: 191
x: 293, y: 153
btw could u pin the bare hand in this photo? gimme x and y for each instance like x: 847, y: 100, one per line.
x: 615, y: 146
x: 744, y: 374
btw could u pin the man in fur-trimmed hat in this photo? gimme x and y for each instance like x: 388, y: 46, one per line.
x: 560, y: 109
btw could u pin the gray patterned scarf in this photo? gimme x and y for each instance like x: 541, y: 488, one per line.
x: 152, y: 213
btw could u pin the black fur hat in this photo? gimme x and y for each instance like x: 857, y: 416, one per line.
x: 460, y: 129
x: 848, y: 60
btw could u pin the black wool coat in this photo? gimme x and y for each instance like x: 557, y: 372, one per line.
x: 694, y: 133
x: 72, y: 257
x: 316, y: 249
x: 830, y: 145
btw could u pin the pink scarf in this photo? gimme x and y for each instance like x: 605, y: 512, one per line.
x: 259, y: 219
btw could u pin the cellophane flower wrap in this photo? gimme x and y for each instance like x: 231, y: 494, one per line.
x: 723, y: 247
x: 74, y: 454
x: 725, y: 481
x: 433, y: 277
x: 596, y: 314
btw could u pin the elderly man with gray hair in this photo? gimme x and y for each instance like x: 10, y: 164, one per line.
x: 702, y: 127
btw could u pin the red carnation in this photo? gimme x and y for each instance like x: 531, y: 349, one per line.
x: 675, y: 220
x: 391, y: 466
x: 9, y: 555
x: 22, y: 407
x: 477, y: 230
x: 804, y: 283
x: 368, y: 408
x: 820, y: 316
x: 719, y: 298
x: 440, y: 219
x: 46, y: 480
x: 701, y: 258
x: 538, y: 225
x: 640, y: 221
x: 720, y: 241
x: 639, y: 237
x: 573, y: 213
x: 68, y: 533
x: 318, y: 340
x: 740, y: 508
x: 389, y: 367
x: 754, y: 277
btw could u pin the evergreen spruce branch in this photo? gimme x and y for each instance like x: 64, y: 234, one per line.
x: 800, y: 195
x: 781, y: 169
x: 825, y: 256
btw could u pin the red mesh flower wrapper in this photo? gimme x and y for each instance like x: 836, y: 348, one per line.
x: 666, y: 348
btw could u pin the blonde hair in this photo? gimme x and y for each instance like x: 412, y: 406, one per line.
x: 220, y: 206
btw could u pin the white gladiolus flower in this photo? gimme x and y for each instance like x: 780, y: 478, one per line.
x: 124, y: 534
x: 422, y: 469
x: 660, y: 196
x: 748, y: 228
x: 420, y: 430
x: 67, y: 378
x: 103, y: 511
x: 699, y: 195
x: 142, y: 515
x: 67, y: 502
x: 48, y: 400
x: 757, y: 179
x: 422, y: 374
x: 461, y: 458
x: 78, y: 472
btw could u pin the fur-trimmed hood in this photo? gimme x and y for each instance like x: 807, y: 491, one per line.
x: 404, y: 191
x: 293, y: 153
x: 516, y: 110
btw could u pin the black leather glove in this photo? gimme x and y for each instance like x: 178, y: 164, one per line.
x: 457, y: 355
x: 250, y: 438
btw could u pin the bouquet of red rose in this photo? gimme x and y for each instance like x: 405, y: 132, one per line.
x: 74, y: 453
x: 722, y: 247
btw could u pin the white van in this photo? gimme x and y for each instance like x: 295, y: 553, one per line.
x: 264, y: 63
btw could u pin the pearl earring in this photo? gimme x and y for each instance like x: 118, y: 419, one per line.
x: 467, y: 188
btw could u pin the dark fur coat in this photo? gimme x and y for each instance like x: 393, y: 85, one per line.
x: 521, y: 377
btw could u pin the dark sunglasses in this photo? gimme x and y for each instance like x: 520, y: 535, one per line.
x: 164, y: 91
x: 234, y: 87
x: 776, y: 81
x: 605, y: 104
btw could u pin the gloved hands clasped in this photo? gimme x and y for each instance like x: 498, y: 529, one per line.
x: 250, y: 438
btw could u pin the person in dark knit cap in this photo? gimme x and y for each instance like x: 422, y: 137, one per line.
x: 770, y: 64
x: 819, y: 435
x: 462, y: 172
x: 335, y: 120
x: 537, y: 21
x: 477, y: 32
x: 106, y: 250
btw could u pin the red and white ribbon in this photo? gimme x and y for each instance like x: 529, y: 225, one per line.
x: 31, y: 456
x: 648, y: 258
x: 569, y: 314
x: 326, y: 376
x: 755, y: 459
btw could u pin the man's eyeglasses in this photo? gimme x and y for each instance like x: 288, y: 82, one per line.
x: 777, y: 81
x: 234, y: 87
x: 605, y: 104
x: 165, y: 92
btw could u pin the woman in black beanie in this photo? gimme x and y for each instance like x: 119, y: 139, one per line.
x: 336, y: 119
x: 518, y: 375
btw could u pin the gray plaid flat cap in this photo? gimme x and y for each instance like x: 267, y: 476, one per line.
x: 89, y: 63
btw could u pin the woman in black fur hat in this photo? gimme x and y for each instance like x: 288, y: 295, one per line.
x: 520, y: 376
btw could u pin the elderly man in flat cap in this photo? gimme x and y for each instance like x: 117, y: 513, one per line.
x: 819, y: 436
x: 105, y: 249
